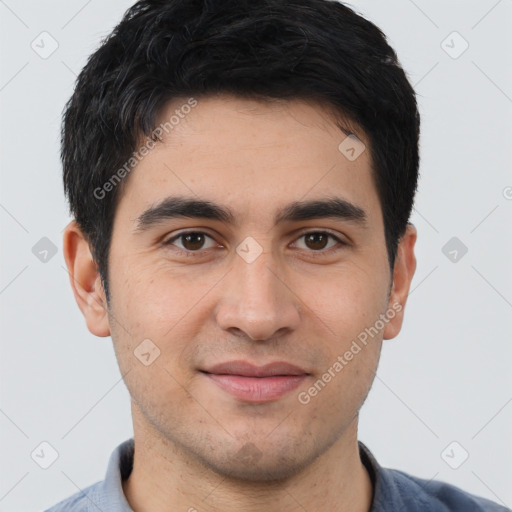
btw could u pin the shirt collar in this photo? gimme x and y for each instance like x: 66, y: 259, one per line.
x: 119, y: 468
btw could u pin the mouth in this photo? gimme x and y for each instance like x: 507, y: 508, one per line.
x: 251, y: 383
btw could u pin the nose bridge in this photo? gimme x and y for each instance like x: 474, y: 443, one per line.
x: 259, y: 303
x: 258, y: 282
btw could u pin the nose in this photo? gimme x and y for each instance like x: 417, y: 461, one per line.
x: 257, y: 301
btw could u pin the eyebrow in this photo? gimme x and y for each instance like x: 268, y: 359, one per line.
x: 185, y: 207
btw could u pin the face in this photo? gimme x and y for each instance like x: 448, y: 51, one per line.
x: 206, y: 288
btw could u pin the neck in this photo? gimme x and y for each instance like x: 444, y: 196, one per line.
x: 165, y: 477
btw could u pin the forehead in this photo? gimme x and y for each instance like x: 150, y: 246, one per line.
x: 257, y: 156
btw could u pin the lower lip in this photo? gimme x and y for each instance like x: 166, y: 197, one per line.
x: 257, y: 389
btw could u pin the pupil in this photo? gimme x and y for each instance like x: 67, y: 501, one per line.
x: 318, y: 240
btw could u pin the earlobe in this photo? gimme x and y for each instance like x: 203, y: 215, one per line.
x: 405, y: 266
x: 85, y: 280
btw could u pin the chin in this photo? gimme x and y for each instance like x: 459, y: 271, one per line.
x: 253, y: 464
x: 269, y: 471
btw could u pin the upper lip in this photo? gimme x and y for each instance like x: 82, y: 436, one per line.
x: 247, y: 369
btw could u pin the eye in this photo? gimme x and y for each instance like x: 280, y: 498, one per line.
x: 318, y: 241
x: 195, y: 241
x: 191, y: 241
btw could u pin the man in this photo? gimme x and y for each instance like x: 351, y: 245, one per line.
x: 241, y: 176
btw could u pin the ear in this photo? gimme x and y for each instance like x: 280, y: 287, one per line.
x: 85, y: 280
x: 403, y: 272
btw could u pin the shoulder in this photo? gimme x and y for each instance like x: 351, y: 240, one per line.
x: 434, y: 495
x: 398, y: 491
x: 105, y: 495
x: 82, y: 501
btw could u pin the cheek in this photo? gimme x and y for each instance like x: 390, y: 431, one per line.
x: 152, y: 336
x: 334, y: 398
x: 345, y: 311
x: 157, y: 297
x: 167, y: 308
x: 344, y: 303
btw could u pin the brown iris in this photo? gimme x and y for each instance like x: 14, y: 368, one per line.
x: 193, y: 241
x: 316, y: 240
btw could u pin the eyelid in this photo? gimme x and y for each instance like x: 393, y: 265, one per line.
x: 338, y: 236
x: 297, y: 236
x: 322, y: 252
x: 187, y: 232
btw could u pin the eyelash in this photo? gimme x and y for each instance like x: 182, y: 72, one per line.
x: 319, y: 253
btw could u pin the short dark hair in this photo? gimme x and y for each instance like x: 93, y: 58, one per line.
x: 275, y: 49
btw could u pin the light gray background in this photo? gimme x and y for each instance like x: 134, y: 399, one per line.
x: 445, y: 378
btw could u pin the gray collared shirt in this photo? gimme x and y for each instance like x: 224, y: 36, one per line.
x: 393, y: 490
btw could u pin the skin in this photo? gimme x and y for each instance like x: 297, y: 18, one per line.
x: 253, y: 157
